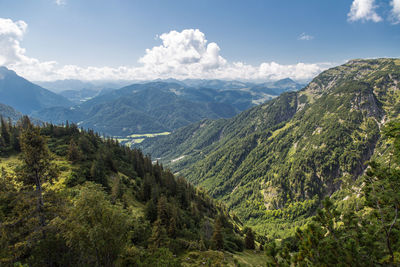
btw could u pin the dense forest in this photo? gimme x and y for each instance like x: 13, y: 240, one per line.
x: 275, y: 163
x: 72, y: 198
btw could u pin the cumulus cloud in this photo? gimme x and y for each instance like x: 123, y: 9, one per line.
x: 185, y: 54
x: 363, y: 10
x: 305, y: 37
x: 395, y: 11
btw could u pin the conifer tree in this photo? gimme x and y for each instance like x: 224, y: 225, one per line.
x: 5, y: 135
x: 159, y: 237
x: 162, y: 210
x: 249, y: 238
x: 217, y: 237
x: 73, y: 153
x: 36, y: 168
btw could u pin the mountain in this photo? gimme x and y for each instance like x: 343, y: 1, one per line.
x: 277, y: 87
x: 216, y: 84
x: 25, y: 96
x: 77, y: 85
x: 278, y: 160
x: 139, y: 108
x: 98, y: 203
x: 9, y: 112
x: 155, y: 107
x: 79, y: 96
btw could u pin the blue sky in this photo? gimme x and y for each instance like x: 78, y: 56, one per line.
x: 254, y: 39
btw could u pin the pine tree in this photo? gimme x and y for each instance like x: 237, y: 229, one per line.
x: 73, y: 153
x: 36, y: 167
x: 159, y: 237
x: 249, y: 239
x: 5, y: 135
x: 162, y: 210
x: 217, y: 237
x: 172, y: 227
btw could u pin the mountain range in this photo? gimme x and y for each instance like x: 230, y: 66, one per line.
x: 25, y: 96
x: 279, y: 159
x: 161, y: 106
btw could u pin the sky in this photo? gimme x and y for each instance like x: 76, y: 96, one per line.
x: 258, y: 40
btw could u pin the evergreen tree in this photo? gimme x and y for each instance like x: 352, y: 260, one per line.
x: 217, y: 237
x: 249, y: 238
x: 73, y: 153
x: 159, y: 237
x: 162, y: 211
x: 36, y: 167
x: 5, y: 135
x: 98, y: 173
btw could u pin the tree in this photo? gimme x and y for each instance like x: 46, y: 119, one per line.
x: 159, y: 237
x: 98, y: 173
x: 36, y: 167
x: 162, y: 211
x: 5, y: 134
x: 249, y: 238
x: 94, y: 227
x: 73, y: 153
x: 381, y: 190
x: 217, y: 237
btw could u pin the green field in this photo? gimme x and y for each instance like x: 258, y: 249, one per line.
x: 133, y: 139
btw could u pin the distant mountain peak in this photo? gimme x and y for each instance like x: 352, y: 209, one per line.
x: 25, y: 96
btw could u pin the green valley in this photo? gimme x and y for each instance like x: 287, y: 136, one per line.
x: 274, y: 164
x: 71, y: 198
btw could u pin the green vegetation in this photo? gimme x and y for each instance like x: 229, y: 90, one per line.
x: 275, y: 163
x: 361, y: 231
x: 70, y: 198
x: 133, y: 139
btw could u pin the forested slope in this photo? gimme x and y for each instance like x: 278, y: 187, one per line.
x: 275, y: 163
x: 70, y: 198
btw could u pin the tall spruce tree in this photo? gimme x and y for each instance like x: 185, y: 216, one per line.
x: 36, y: 167
x: 217, y: 237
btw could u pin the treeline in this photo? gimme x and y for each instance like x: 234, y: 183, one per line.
x: 75, y: 198
x: 366, y: 232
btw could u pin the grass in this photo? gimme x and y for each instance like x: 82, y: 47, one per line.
x: 9, y: 163
x: 135, y: 136
x: 64, y: 167
x: 248, y: 258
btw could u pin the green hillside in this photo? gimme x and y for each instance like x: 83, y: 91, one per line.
x: 70, y: 198
x: 274, y: 163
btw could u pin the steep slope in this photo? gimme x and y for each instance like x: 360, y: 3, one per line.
x: 9, y: 112
x: 279, y: 159
x: 100, y: 204
x: 25, y: 96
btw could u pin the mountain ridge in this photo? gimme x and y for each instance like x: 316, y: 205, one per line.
x: 331, y: 127
x: 25, y: 96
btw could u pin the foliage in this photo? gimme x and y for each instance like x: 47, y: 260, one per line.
x: 366, y: 236
x: 274, y: 164
x: 72, y: 198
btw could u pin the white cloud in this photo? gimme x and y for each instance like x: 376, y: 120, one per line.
x: 305, y: 37
x: 395, y: 11
x: 185, y: 54
x: 363, y: 10
x: 60, y: 2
